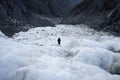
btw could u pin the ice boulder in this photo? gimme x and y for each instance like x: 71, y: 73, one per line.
x: 115, y: 68
x: 94, y: 56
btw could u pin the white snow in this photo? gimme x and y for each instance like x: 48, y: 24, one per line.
x: 84, y: 54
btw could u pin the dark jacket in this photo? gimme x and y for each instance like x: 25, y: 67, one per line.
x: 59, y: 41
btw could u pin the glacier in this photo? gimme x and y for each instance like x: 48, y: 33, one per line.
x: 84, y: 54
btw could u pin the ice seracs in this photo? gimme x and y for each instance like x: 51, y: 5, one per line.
x: 35, y: 55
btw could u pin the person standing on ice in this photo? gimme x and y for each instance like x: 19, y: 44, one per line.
x: 59, y: 41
